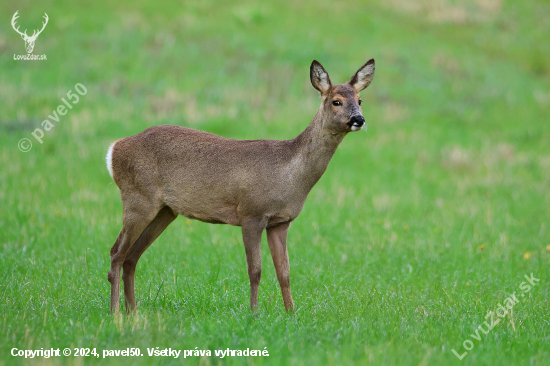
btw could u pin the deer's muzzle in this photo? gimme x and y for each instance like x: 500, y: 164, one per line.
x: 356, y: 122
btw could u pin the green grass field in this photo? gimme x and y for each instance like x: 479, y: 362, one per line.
x: 419, y: 228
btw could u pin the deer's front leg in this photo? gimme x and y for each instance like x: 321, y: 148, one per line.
x: 252, y: 238
x: 276, y: 238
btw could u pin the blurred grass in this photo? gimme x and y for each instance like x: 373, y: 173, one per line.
x: 418, y: 228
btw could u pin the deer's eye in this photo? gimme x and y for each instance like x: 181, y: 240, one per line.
x: 359, y: 101
x: 336, y: 103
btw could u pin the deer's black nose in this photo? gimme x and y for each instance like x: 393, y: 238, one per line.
x: 357, y: 121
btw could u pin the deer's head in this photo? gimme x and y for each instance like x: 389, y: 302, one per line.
x: 29, y: 40
x: 341, y: 104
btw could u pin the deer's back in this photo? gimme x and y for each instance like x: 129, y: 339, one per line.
x: 208, y: 177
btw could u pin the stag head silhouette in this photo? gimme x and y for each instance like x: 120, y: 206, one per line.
x: 29, y: 40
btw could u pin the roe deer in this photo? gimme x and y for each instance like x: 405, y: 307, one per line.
x: 167, y: 171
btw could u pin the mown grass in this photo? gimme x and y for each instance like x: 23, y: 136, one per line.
x: 418, y: 228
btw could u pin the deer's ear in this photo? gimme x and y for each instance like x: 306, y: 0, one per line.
x: 319, y: 77
x: 363, y: 76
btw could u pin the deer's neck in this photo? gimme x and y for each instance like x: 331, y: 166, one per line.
x: 315, y: 148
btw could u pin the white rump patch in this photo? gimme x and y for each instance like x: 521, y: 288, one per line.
x: 109, y: 159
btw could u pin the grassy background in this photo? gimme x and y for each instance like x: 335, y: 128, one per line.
x: 418, y: 228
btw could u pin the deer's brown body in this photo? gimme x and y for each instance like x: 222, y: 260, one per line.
x: 259, y: 185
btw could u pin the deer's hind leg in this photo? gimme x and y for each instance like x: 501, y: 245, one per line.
x: 137, y: 215
x: 149, y: 235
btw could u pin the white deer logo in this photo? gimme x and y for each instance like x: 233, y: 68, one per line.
x: 29, y: 41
